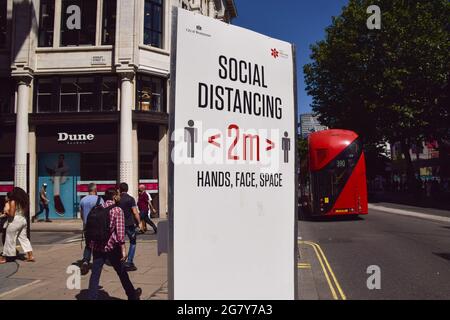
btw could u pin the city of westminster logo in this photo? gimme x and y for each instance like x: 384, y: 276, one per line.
x: 275, y: 53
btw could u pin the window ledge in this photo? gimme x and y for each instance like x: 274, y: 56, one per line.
x: 74, y: 49
x: 154, y: 49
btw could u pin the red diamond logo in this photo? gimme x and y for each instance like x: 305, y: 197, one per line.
x: 275, y: 53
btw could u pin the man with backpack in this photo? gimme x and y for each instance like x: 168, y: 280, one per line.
x: 105, y: 232
x: 86, y: 205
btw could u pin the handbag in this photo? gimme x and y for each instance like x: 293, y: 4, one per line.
x: 153, y: 215
x: 2, y: 223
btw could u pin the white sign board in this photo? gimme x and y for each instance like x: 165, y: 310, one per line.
x: 233, y: 186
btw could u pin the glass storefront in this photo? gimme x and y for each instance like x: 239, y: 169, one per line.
x: 99, y: 166
x: 61, y: 172
x: 70, y: 154
x: 6, y: 95
x: 150, y: 93
x: 76, y: 94
x: 69, y: 157
x: 6, y: 170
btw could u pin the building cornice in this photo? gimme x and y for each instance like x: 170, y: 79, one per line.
x: 231, y: 7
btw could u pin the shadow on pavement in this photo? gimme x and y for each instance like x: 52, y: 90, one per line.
x: 444, y: 255
x: 102, y: 295
x: 346, y: 218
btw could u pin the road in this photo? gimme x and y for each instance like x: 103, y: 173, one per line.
x: 413, y: 254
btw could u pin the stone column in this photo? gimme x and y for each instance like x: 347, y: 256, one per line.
x: 32, y: 170
x: 135, y: 143
x: 163, y: 170
x: 126, y: 131
x: 23, y: 101
x: 211, y: 9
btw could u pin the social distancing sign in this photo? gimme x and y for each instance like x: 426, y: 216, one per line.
x: 233, y: 158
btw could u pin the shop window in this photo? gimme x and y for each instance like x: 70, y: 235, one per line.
x: 3, y: 23
x: 78, y: 28
x: 45, y: 101
x: 69, y: 95
x: 150, y: 94
x: 86, y: 95
x: 109, y: 94
x: 153, y: 23
x: 109, y: 22
x: 6, y: 168
x: 6, y: 95
x: 46, y: 23
x: 76, y: 94
x: 99, y: 166
x: 148, y: 166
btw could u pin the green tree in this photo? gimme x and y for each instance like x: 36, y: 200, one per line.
x: 302, y: 147
x: 390, y: 84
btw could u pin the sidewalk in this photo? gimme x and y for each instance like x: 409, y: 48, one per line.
x: 65, y: 225
x: 47, y: 278
x: 412, y: 211
x: 407, y: 199
x: 58, y: 226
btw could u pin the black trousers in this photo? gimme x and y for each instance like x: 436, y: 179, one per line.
x: 3, y: 236
x: 145, y: 217
x: 2, y: 230
x: 114, y: 258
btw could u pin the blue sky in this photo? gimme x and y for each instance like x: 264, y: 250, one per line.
x: 301, y: 22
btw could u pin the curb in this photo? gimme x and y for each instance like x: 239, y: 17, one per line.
x: 410, y: 213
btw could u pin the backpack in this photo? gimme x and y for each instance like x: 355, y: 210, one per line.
x: 98, y: 223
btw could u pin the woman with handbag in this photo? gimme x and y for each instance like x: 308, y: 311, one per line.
x: 16, y: 228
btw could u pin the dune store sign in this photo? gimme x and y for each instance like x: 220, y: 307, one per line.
x: 75, y: 138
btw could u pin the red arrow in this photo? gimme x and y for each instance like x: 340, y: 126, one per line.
x: 212, y: 138
x: 270, y: 146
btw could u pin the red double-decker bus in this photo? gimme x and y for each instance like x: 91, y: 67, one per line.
x: 333, y: 177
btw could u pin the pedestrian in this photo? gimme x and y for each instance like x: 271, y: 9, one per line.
x: 113, y: 250
x: 16, y: 229
x: 132, y: 220
x: 43, y: 204
x: 144, y: 205
x: 89, y: 202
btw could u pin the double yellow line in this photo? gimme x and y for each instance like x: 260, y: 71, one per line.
x: 333, y: 283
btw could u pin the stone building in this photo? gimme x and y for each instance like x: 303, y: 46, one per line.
x: 84, y: 89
